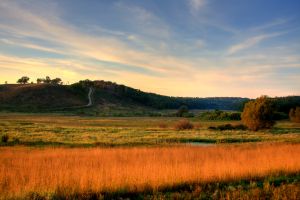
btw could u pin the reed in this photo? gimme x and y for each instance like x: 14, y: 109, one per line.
x: 23, y: 169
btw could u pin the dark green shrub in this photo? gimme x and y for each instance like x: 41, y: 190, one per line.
x: 183, y: 110
x: 16, y: 140
x: 240, y: 127
x: 220, y: 115
x: 224, y: 127
x: 280, y: 115
x: 189, y: 114
x: 235, y: 116
x: 4, y: 138
x: 212, y: 128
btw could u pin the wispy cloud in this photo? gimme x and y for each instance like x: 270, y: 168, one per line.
x: 22, y: 43
x: 250, y: 42
x: 143, y: 21
x: 196, y: 5
x: 102, y: 48
x: 274, y: 23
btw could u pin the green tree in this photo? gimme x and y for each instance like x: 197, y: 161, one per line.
x: 39, y: 80
x: 47, y: 80
x: 23, y: 80
x: 259, y: 114
x: 183, y: 110
x: 56, y: 81
x: 86, y: 83
x: 295, y: 114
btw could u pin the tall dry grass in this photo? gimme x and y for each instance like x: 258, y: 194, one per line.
x: 97, y: 169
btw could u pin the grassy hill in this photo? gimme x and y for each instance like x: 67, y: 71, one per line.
x: 39, y: 97
x: 106, y: 95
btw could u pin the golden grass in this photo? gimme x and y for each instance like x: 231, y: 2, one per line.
x: 108, y: 169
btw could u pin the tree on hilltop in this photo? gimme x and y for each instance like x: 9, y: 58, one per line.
x: 47, y: 80
x: 39, y: 80
x: 86, y: 83
x: 23, y: 80
x: 56, y: 81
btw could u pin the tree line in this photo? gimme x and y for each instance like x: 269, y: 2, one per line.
x: 47, y: 80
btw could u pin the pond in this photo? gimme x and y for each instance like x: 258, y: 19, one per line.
x: 200, y: 144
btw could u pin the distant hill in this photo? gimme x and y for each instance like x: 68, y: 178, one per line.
x: 48, y: 98
x: 38, y: 97
x: 112, y: 92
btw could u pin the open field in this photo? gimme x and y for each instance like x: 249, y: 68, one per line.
x: 49, y: 171
x: 145, y: 158
x: 78, y: 131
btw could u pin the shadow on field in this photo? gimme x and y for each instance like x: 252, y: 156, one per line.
x: 277, y: 130
x: 278, y: 186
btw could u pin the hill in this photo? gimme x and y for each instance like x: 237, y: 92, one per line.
x: 39, y: 97
x: 54, y: 97
x: 114, y: 92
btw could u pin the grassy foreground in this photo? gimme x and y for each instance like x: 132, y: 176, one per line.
x: 41, y: 130
x: 143, y: 158
x: 50, y: 172
x: 271, y: 187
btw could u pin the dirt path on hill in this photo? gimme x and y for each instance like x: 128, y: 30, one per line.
x: 89, y: 104
x: 90, y: 97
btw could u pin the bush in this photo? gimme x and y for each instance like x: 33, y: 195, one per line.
x: 259, y: 114
x: 280, y: 116
x: 183, y: 110
x: 295, y: 115
x: 220, y: 115
x: 16, y: 140
x: 235, y: 116
x: 240, y: 127
x: 188, y: 115
x: 184, y: 125
x: 4, y: 138
x: 228, y: 127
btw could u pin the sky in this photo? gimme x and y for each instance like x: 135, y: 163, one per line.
x: 195, y: 48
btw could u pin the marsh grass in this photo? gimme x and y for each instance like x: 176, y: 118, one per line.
x: 74, y: 131
x: 271, y: 187
x: 83, y: 170
x: 184, y: 124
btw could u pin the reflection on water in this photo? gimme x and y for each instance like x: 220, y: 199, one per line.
x: 200, y: 144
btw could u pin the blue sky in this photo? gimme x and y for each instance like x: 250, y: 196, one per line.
x: 195, y: 48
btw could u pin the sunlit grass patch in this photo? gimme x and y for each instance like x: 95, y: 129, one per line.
x: 23, y: 170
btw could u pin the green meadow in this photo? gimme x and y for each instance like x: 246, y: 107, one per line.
x: 60, y: 130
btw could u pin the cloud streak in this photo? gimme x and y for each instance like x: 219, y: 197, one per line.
x: 196, y: 5
x: 250, y: 42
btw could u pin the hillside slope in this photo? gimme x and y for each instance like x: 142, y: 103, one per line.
x: 48, y: 98
x: 108, y: 92
x: 36, y: 97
